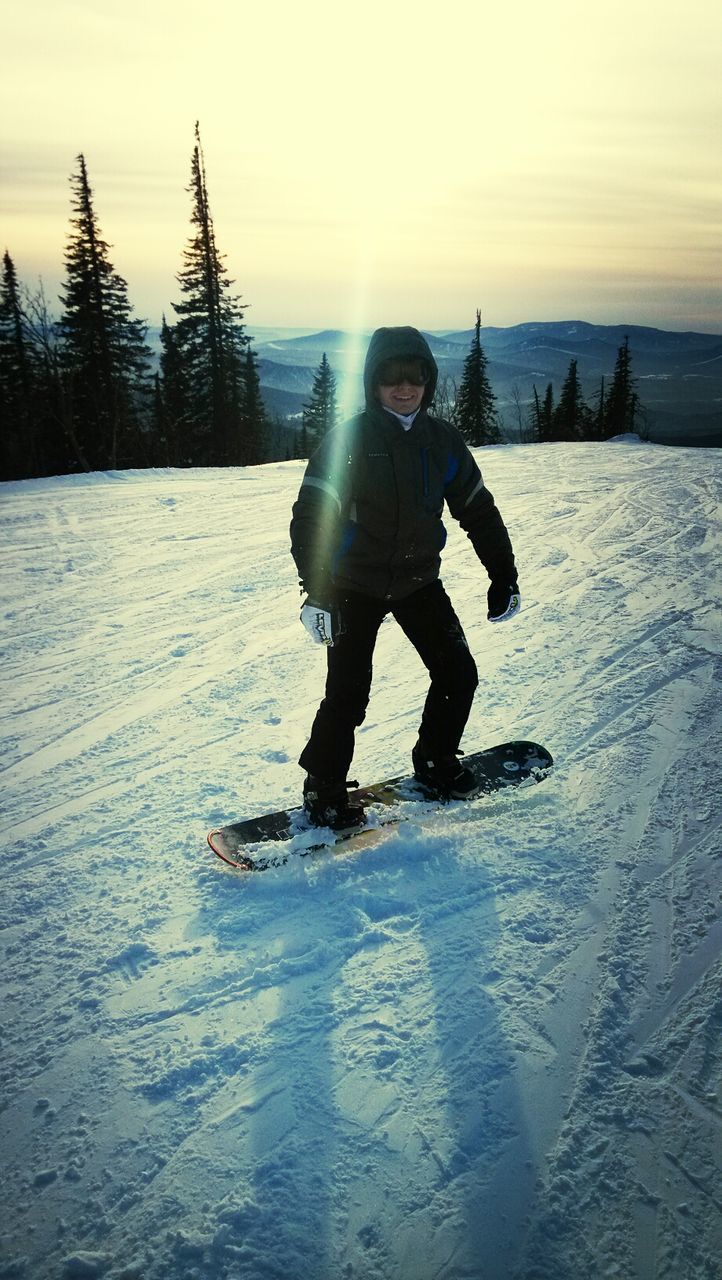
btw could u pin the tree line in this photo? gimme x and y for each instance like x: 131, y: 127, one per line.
x: 80, y: 393
x: 616, y: 412
x: 472, y: 406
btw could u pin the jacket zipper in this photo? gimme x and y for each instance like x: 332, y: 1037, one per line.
x: 391, y: 567
x: 425, y: 470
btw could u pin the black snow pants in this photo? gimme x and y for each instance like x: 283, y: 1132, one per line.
x: 427, y: 617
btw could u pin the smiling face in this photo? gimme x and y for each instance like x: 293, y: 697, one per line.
x: 401, y: 385
x: 403, y: 398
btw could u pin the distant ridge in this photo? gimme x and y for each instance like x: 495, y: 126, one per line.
x: 330, y: 337
x: 584, y: 331
x: 678, y: 374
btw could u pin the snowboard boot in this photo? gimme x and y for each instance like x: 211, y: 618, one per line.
x: 328, y: 804
x: 443, y: 776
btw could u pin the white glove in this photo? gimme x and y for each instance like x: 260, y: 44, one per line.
x: 318, y: 623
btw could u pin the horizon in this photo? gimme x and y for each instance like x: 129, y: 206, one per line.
x: 309, y: 330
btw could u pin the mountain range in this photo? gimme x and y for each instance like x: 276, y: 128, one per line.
x: 678, y: 375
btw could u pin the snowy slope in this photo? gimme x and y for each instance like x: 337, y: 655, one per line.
x: 489, y: 1047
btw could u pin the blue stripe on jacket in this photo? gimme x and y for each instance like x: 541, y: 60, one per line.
x: 452, y: 466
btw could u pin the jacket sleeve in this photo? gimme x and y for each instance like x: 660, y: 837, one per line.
x: 317, y: 516
x: 472, y: 504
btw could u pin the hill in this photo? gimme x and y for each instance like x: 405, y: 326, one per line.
x: 679, y: 375
x: 488, y: 1046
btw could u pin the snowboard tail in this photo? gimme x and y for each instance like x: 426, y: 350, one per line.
x: 510, y: 764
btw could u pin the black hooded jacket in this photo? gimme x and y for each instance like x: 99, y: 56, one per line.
x: 369, y: 512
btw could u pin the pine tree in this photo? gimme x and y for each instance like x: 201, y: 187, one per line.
x: 31, y: 441
x: 301, y: 449
x: 571, y: 418
x: 18, y: 453
x: 255, y: 425
x: 596, y: 421
x: 621, y: 404
x: 104, y: 358
x: 535, y: 416
x: 57, y: 447
x: 60, y: 449
x: 320, y: 413
x: 209, y: 338
x: 542, y: 415
x: 476, y: 412
x: 172, y: 400
x: 548, y: 412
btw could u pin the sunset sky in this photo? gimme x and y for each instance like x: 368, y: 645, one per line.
x: 380, y: 163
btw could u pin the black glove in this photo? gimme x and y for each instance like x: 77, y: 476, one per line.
x: 504, y: 600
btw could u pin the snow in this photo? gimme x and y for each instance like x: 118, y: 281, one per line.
x: 487, y: 1047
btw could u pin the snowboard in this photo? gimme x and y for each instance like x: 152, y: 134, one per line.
x: 510, y: 764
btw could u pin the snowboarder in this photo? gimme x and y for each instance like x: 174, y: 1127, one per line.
x: 366, y: 536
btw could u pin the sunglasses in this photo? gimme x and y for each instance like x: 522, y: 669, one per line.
x: 394, y: 372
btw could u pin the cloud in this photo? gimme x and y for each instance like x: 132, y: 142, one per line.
x: 502, y: 154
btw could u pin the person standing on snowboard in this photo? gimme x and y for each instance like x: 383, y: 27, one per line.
x: 366, y: 537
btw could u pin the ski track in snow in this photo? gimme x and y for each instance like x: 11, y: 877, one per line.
x: 488, y: 1047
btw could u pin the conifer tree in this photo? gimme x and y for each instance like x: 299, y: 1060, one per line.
x: 320, y: 413
x: 18, y: 453
x: 548, y: 407
x: 476, y: 412
x: 535, y: 415
x: 301, y: 449
x: 621, y: 405
x: 596, y: 415
x: 570, y: 419
x: 254, y: 419
x: 543, y: 414
x: 209, y: 337
x: 104, y: 359
x: 172, y: 402
x: 57, y: 448
x: 31, y: 441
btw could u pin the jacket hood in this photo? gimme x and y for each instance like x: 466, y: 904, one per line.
x: 398, y: 343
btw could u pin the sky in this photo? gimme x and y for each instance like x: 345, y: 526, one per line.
x: 384, y: 163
